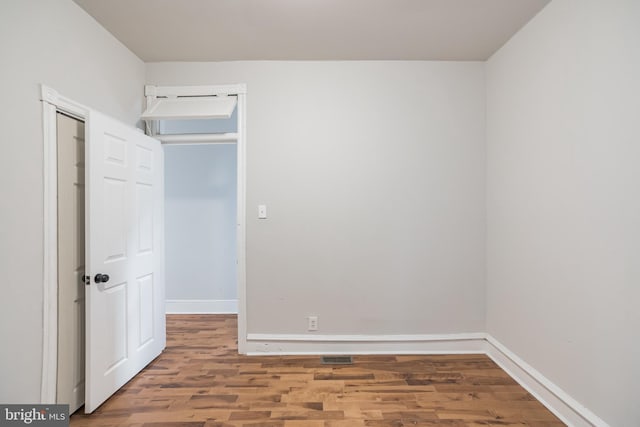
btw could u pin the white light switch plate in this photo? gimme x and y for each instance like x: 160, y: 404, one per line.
x: 262, y: 211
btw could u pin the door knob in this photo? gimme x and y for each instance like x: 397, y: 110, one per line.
x: 101, y: 278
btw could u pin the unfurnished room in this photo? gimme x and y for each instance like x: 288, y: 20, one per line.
x: 320, y: 213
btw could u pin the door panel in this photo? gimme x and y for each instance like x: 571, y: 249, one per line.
x: 144, y: 209
x: 113, y: 345
x: 125, y: 319
x: 145, y: 286
x: 113, y: 232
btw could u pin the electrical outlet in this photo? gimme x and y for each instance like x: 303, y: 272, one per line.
x: 312, y: 323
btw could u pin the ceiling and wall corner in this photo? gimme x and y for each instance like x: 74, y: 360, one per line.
x: 229, y: 30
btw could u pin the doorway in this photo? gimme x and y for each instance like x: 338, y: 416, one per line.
x: 70, y: 386
x: 107, y: 362
x: 200, y: 228
x: 195, y: 115
x: 123, y: 273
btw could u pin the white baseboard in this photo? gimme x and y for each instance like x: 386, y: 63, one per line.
x: 570, y: 411
x: 310, y: 344
x: 200, y: 306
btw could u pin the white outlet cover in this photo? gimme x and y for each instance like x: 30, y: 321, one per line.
x: 312, y: 323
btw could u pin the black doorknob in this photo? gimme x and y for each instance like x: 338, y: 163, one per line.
x: 101, y: 278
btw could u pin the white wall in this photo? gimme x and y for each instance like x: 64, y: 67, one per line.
x: 200, y: 222
x: 373, y: 175
x: 563, y: 134
x: 56, y: 43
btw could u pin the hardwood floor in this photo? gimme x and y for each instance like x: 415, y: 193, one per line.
x: 200, y: 380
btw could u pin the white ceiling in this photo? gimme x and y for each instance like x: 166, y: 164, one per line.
x: 223, y: 30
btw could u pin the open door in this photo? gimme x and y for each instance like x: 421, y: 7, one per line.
x: 125, y: 319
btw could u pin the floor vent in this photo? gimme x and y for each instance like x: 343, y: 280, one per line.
x: 336, y: 360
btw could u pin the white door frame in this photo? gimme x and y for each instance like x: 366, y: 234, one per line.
x: 53, y: 102
x: 239, y: 137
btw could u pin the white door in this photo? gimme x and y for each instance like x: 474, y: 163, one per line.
x: 125, y: 323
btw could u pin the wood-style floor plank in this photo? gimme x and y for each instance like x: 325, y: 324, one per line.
x: 201, y: 381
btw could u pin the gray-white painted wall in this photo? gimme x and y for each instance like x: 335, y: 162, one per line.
x: 200, y: 222
x: 373, y: 176
x: 563, y: 134
x: 56, y: 43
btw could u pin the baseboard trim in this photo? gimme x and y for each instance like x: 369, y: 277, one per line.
x: 366, y: 338
x: 286, y: 344
x: 569, y: 410
x: 199, y: 306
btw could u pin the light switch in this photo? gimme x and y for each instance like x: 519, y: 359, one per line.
x: 262, y: 211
